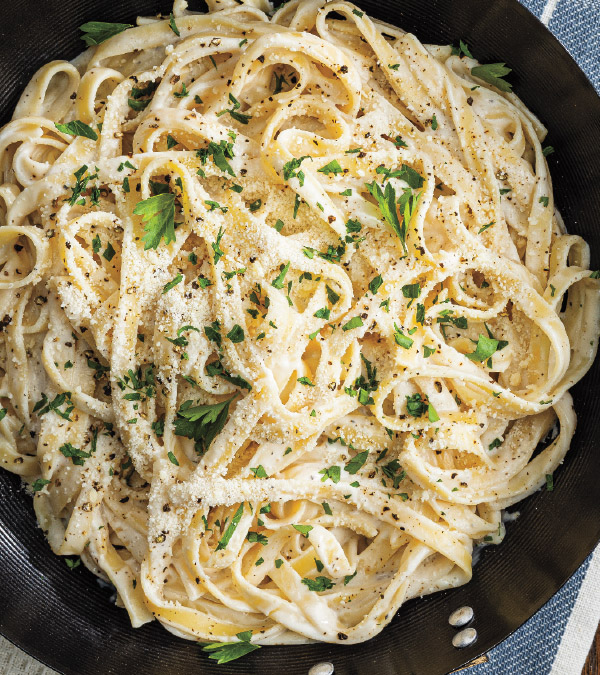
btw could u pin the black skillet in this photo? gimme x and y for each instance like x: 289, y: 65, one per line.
x: 66, y: 620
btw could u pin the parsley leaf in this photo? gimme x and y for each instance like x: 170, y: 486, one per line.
x: 77, y: 128
x: 202, y: 423
x: 224, y: 652
x: 492, y: 73
x: 96, y: 32
x: 387, y: 207
x: 158, y: 214
x: 486, y: 347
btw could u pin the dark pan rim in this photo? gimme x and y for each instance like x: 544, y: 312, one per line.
x: 575, y: 559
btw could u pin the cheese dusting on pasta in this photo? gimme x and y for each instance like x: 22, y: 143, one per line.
x: 287, y: 310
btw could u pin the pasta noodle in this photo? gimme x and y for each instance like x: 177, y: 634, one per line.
x: 288, y: 309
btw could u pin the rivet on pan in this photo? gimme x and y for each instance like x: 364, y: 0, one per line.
x: 461, y: 616
x: 464, y: 638
x: 324, y: 668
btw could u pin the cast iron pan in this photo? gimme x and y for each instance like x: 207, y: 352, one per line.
x: 67, y: 621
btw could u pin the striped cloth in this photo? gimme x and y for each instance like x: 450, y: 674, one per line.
x: 556, y: 640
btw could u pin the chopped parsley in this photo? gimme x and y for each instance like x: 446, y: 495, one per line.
x: 216, y: 246
x: 202, y: 423
x: 333, y: 473
x: 183, y: 93
x: 238, y: 116
x: 332, y: 168
x: 486, y: 227
x: 220, y: 152
x: 257, y: 538
x: 278, y: 282
x: 231, y: 528
x: 77, y: 455
x: 236, y: 334
x: 402, y: 340
x: 291, y: 169
x: 375, y: 284
x: 177, y: 280
x: 357, y: 462
x: 323, y: 313
x: 39, y: 484
x: 318, y: 584
x: 303, y: 529
x: 355, y: 322
x: 173, y: 25
x: 44, y: 406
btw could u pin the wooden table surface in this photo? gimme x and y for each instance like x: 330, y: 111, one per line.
x: 592, y: 665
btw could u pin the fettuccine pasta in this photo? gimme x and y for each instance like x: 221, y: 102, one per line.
x: 289, y: 316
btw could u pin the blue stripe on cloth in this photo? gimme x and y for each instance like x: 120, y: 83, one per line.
x: 577, y: 25
x: 531, y: 649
